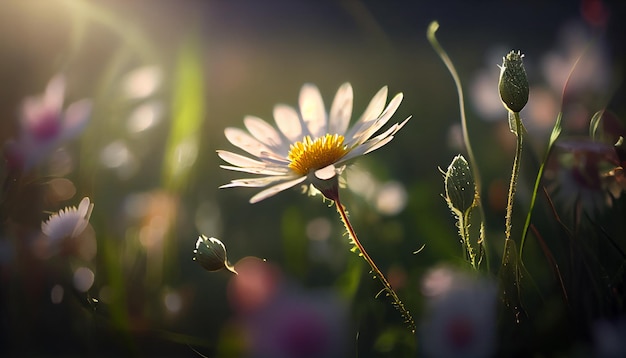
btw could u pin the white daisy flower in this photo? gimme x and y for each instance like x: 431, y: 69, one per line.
x: 69, y: 222
x: 310, y: 144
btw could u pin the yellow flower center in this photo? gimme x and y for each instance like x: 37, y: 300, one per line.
x: 310, y: 154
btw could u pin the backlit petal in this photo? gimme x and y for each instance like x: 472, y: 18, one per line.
x: 275, y: 190
x: 288, y: 122
x: 265, y: 133
x: 370, y: 128
x: 243, y: 140
x: 312, y: 110
x: 341, y: 110
x: 240, y: 160
x: 255, y: 170
x: 257, y: 182
x: 373, y: 110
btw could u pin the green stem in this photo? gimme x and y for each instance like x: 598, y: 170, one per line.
x: 556, y: 131
x: 375, y: 270
x: 514, y: 175
x: 466, y: 139
x: 464, y: 233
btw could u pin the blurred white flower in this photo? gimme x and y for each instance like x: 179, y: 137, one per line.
x: 460, y: 318
x: 608, y: 337
x: 44, y: 125
x: 69, y: 222
x: 309, y: 145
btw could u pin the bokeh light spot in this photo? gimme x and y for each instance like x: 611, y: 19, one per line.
x: 142, y: 82
x: 144, y: 116
x: 83, y: 279
x: 56, y: 294
x: 319, y: 229
x: 391, y: 198
x: 173, y: 302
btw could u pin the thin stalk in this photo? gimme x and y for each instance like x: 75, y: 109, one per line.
x: 514, y: 175
x: 443, y: 55
x: 465, y: 235
x: 374, y: 269
x: 556, y: 131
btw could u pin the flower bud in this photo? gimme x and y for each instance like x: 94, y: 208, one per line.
x: 459, y: 185
x: 513, y: 85
x: 211, y: 254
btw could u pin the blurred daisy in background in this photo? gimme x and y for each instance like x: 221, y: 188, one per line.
x: 310, y: 145
x: 608, y: 337
x: 44, y: 125
x: 460, y: 315
x: 66, y: 224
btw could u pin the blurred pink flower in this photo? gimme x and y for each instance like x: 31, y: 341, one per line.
x: 44, y: 125
x: 299, y: 324
x: 283, y: 321
x: 460, y: 317
x: 585, y: 175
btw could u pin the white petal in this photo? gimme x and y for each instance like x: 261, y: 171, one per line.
x: 326, y: 173
x: 254, y: 170
x: 375, y: 106
x: 243, y: 161
x: 243, y: 140
x: 76, y: 117
x: 288, y: 122
x: 341, y: 110
x: 275, y: 190
x: 274, y: 158
x: 369, y: 128
x: 239, y: 160
x: 372, y: 112
x: 377, y: 144
x: 83, y: 208
x: 383, y: 138
x: 256, y: 182
x: 265, y: 133
x: 374, y: 143
x: 84, y: 211
x: 312, y: 110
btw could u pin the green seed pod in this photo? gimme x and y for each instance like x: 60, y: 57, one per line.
x: 211, y: 254
x: 459, y: 185
x: 513, y: 85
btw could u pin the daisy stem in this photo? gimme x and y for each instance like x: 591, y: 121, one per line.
x: 514, y: 175
x: 374, y: 269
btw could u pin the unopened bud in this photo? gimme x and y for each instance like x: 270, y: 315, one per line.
x: 513, y: 85
x: 211, y: 254
x: 459, y: 185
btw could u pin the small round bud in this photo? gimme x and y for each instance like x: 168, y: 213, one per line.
x: 211, y: 254
x: 513, y: 85
x: 459, y: 185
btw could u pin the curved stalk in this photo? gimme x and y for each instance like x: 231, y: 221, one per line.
x: 374, y: 269
x: 443, y: 55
